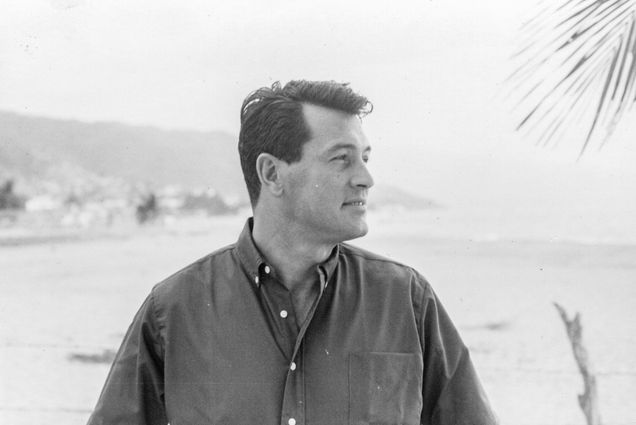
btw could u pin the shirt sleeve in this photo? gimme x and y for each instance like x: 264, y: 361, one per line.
x: 134, y: 390
x: 451, y: 391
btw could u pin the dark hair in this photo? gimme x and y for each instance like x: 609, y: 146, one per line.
x: 272, y: 121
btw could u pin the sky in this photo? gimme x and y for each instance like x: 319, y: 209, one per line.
x: 442, y: 125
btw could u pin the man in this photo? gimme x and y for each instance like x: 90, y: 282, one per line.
x: 289, y: 325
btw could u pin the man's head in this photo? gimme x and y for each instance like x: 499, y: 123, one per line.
x: 273, y: 122
x: 304, y: 157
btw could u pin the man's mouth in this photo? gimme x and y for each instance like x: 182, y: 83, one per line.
x: 355, y: 203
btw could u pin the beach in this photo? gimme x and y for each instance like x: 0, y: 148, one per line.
x: 66, y: 304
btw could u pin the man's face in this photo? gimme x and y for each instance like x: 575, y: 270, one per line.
x: 326, y: 191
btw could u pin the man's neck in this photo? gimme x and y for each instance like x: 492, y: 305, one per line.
x: 293, y: 256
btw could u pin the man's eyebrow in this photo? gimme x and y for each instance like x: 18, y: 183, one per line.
x: 339, y: 146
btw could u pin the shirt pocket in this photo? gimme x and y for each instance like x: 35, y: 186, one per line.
x: 385, y: 388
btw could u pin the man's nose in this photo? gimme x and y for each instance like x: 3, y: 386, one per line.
x: 362, y: 177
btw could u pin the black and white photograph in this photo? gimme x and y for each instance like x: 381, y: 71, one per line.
x: 318, y: 213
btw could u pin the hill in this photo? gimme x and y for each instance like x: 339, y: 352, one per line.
x: 35, y: 147
x: 66, y: 152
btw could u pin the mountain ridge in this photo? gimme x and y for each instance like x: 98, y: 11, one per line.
x: 65, y: 151
x: 33, y: 147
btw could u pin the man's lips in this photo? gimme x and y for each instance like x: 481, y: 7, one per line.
x: 355, y: 203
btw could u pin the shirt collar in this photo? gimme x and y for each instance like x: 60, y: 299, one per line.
x: 329, y: 266
x: 256, y: 265
x: 248, y: 253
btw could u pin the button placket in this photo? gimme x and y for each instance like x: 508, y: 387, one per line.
x: 293, y: 399
x: 294, y: 394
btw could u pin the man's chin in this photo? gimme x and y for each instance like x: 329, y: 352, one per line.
x: 359, y: 231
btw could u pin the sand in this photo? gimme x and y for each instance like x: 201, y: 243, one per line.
x: 64, y: 300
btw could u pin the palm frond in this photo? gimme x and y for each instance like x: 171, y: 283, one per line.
x: 576, y: 63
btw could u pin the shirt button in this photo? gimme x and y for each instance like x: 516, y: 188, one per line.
x: 292, y: 366
x: 291, y: 421
x: 283, y: 313
x: 267, y: 269
x: 255, y: 279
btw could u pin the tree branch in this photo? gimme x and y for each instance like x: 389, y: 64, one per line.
x: 587, y: 400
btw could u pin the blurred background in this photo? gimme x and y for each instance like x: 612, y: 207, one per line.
x: 118, y: 166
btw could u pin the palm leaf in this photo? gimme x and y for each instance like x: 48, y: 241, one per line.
x: 576, y: 71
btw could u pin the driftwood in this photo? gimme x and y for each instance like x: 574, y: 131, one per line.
x: 587, y: 400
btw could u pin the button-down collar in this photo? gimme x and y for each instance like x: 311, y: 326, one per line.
x: 248, y: 253
x: 255, y: 264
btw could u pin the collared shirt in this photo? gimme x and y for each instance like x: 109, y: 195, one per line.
x: 219, y: 343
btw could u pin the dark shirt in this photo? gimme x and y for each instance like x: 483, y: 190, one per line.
x: 219, y: 343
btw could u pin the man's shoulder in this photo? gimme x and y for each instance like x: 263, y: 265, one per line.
x: 377, y: 264
x: 368, y: 257
x: 195, y: 276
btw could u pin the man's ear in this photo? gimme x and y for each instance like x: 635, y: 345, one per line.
x: 268, y: 168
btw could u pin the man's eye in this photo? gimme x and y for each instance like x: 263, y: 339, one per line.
x: 365, y: 159
x: 340, y: 158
